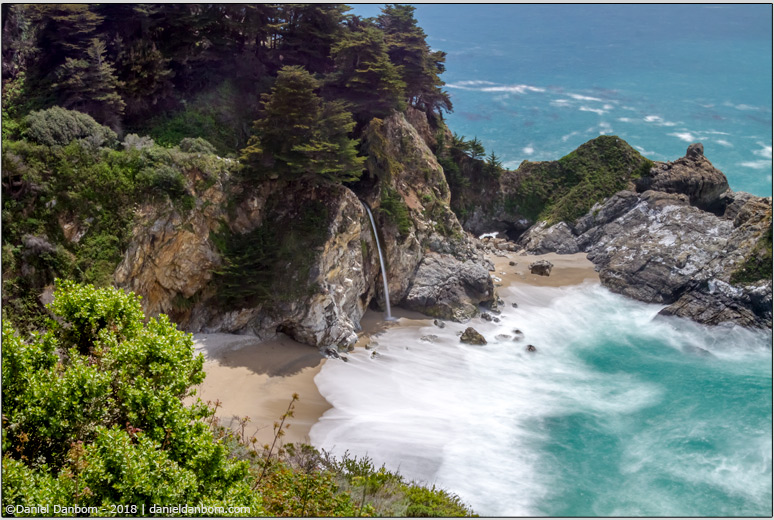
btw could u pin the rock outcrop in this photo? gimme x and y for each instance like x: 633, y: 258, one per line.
x: 541, y: 268
x: 432, y: 265
x: 692, y: 175
x: 684, y: 245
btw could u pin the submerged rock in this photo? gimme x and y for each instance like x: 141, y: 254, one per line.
x: 531, y: 348
x: 473, y: 337
x: 438, y: 323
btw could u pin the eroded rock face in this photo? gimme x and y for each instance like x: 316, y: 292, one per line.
x: 448, y: 288
x: 435, y: 239
x: 171, y: 259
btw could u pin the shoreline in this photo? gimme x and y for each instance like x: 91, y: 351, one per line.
x: 257, y: 378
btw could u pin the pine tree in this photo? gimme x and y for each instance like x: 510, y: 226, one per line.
x: 493, y: 166
x: 90, y: 86
x: 408, y: 50
x: 365, y: 76
x: 300, y: 134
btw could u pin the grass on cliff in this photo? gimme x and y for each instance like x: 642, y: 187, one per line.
x: 758, y: 264
x: 566, y: 189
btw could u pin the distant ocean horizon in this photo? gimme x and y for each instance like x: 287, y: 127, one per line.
x: 535, y: 81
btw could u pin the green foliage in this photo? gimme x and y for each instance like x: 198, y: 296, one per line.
x: 565, y: 190
x: 301, y: 135
x: 394, y: 207
x: 272, y: 263
x: 365, y: 76
x: 189, y: 123
x: 432, y: 502
x: 196, y: 145
x: 758, y: 264
x: 89, y: 84
x: 103, y: 422
x: 58, y: 126
x: 408, y: 50
x: 493, y: 166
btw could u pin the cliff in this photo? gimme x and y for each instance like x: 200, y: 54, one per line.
x: 313, y: 266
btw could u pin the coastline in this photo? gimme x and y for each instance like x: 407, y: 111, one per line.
x: 256, y: 379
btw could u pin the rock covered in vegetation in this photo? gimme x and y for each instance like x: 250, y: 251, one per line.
x: 472, y: 337
x: 707, y: 255
x: 300, y: 257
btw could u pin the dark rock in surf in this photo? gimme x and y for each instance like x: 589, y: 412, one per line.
x: 473, y: 337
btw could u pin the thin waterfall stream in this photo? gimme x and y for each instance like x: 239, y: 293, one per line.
x: 381, y: 262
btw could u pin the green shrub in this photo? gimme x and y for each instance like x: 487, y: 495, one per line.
x: 135, y: 142
x: 93, y: 412
x: 196, y: 145
x: 58, y: 126
x: 394, y: 207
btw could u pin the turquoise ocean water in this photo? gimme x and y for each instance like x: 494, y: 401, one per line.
x: 619, y: 413
x: 536, y: 81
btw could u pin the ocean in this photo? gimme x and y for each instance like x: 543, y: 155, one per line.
x: 533, y: 82
x: 619, y: 412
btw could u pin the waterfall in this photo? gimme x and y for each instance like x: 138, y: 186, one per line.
x: 381, y: 262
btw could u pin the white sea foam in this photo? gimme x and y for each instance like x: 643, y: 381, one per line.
x: 518, y: 89
x: 528, y: 150
x: 473, y: 418
x: 581, y: 97
x: 688, y: 137
x: 599, y: 111
x: 723, y: 142
x: 764, y: 152
x: 757, y: 165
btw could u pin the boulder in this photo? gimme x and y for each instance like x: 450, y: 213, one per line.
x: 541, y: 268
x: 448, y: 288
x: 472, y: 336
x: 541, y: 239
x: 692, y: 175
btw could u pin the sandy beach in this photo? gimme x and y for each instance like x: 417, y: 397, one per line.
x: 572, y: 269
x: 256, y: 379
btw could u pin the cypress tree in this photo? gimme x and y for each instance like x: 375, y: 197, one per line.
x: 300, y: 134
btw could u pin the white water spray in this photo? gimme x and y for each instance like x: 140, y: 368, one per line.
x: 381, y: 262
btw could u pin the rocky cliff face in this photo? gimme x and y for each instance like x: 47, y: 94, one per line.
x: 432, y: 266
x: 684, y: 241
